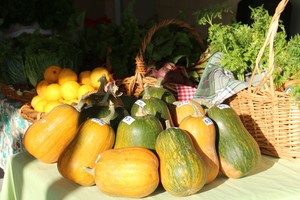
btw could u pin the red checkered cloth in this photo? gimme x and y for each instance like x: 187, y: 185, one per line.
x: 185, y: 92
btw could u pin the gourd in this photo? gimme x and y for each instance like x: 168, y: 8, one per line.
x: 127, y: 172
x: 182, y: 169
x: 238, y: 151
x: 153, y: 106
x: 186, y: 108
x: 157, y: 90
x: 202, y: 130
x: 139, y: 130
x: 47, y: 138
x: 93, y: 137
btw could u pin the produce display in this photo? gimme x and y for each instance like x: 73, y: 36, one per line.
x: 127, y: 146
x: 129, y: 153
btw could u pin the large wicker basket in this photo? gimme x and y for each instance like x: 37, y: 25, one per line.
x: 134, y: 85
x: 272, y: 117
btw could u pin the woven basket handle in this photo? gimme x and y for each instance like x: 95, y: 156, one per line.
x: 269, y: 41
x: 140, y: 66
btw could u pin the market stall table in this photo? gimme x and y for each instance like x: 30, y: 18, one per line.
x: 12, y: 127
x: 29, y: 179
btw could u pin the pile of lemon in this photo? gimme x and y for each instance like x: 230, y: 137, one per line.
x: 64, y: 85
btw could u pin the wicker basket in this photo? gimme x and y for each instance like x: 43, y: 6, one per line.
x: 28, y: 113
x: 22, y: 94
x: 134, y: 85
x: 272, y: 117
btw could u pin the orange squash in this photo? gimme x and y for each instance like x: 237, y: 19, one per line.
x: 203, y: 132
x: 94, y: 136
x: 184, y: 109
x: 47, y: 138
x: 127, y: 172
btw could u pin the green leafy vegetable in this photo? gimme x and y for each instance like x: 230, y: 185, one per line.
x: 241, y: 43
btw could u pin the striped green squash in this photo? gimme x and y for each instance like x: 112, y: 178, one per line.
x: 140, y: 130
x: 182, y: 169
x: 238, y: 151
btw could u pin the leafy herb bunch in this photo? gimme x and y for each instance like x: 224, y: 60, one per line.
x: 241, y: 43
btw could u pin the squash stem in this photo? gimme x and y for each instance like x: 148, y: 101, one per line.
x: 141, y: 112
x: 168, y: 124
x: 146, y: 92
x: 111, y: 114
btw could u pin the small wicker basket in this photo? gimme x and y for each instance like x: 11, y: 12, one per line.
x: 134, y: 85
x: 272, y: 117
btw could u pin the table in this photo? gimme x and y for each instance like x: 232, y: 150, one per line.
x: 12, y: 129
x: 29, y: 179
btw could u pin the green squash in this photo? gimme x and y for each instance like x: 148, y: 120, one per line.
x: 238, y: 151
x: 157, y: 90
x: 153, y: 106
x: 139, y: 130
x: 182, y: 168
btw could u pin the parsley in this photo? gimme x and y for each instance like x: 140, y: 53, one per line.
x: 241, y: 43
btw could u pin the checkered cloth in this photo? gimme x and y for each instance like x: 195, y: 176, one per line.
x: 184, y: 92
x: 217, y: 83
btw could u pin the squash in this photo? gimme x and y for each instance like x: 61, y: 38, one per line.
x: 47, y: 138
x: 140, y: 130
x: 93, y: 137
x: 127, y: 172
x: 202, y: 130
x: 153, y: 106
x: 184, y: 109
x: 182, y: 169
x: 157, y: 90
x: 238, y: 152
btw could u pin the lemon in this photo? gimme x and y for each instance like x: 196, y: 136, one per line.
x: 69, y: 90
x: 35, y: 100
x: 96, y: 74
x: 84, y: 89
x: 84, y: 77
x: 40, y: 106
x: 53, y: 92
x: 51, y: 74
x: 41, y: 88
x: 67, y: 74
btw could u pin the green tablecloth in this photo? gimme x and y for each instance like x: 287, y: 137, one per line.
x: 28, y: 179
x: 12, y: 129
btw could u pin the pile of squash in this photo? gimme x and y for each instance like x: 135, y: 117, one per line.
x: 127, y: 146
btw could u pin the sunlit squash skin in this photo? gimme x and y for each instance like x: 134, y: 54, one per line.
x: 47, y: 138
x: 182, y: 169
x: 140, y: 130
x: 184, y: 109
x: 93, y: 137
x: 127, y: 172
x: 238, y: 151
x: 203, y: 132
